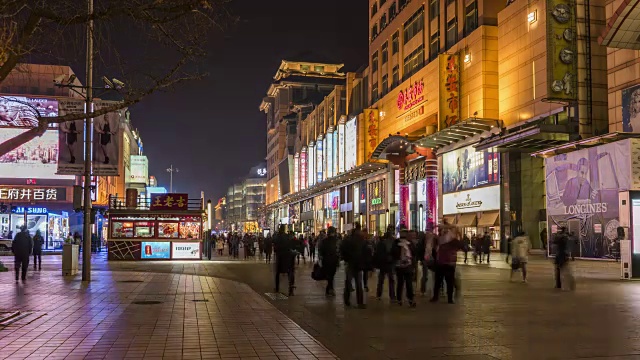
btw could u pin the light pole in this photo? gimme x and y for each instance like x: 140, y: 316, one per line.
x: 171, y: 170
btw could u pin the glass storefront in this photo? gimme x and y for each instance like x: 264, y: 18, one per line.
x: 53, y: 227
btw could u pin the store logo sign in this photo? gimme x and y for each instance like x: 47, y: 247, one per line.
x: 411, y: 96
x: 28, y: 194
x: 29, y: 210
x: 376, y: 201
x: 468, y: 203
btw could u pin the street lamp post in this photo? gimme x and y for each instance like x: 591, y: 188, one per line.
x: 86, y: 252
x: 171, y: 170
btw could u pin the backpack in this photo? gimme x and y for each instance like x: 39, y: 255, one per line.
x: 406, y: 258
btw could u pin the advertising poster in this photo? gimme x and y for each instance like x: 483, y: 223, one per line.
x: 582, y: 195
x: 474, y: 200
x: 71, y: 139
x: 351, y: 144
x: 319, y: 160
x: 19, y: 111
x: 341, y: 138
x: 168, y: 230
x: 139, y: 169
x: 296, y: 173
x: 403, y: 207
x: 334, y: 169
x: 329, y: 150
x: 185, y: 250
x: 631, y: 109
x: 106, y: 148
x: 311, y: 163
x: 432, y: 202
x: 466, y: 168
x: 156, y: 250
x: 449, y: 90
x: 36, y: 159
x: 303, y: 170
x: 190, y: 230
x: 562, y: 59
x: 371, y: 118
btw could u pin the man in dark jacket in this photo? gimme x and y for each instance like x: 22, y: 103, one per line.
x: 329, y: 259
x: 285, y: 256
x: 268, y: 248
x: 38, y: 241
x: 561, y: 242
x: 21, y: 247
x: 404, y: 252
x: 352, y: 251
x: 383, y: 260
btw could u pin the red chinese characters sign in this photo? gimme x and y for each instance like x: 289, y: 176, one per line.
x: 169, y: 202
x: 449, y: 90
x: 411, y: 96
x: 371, y: 118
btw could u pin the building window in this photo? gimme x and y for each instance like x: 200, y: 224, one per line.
x: 395, y: 43
x: 319, y: 68
x: 383, y: 21
x: 452, y: 33
x: 434, y: 9
x: 374, y: 62
x: 414, y: 25
x: 413, y: 62
x: 434, y: 46
x: 374, y: 93
x: 304, y: 68
x: 374, y: 31
x: 393, y: 11
x: 402, y: 4
x: 382, y: 2
x: 385, y: 52
x: 395, y: 76
x: 470, y: 18
x: 385, y: 84
x: 374, y: 8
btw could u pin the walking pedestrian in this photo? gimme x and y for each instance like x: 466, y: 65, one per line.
x: 543, y: 240
x: 367, y: 258
x: 38, y: 242
x: 268, y: 248
x: 466, y: 245
x: 404, y: 255
x: 220, y: 246
x: 329, y: 259
x: 22, y: 246
x: 285, y: 253
x: 520, y: 248
x: 486, y: 246
x: 574, y: 245
x: 352, y: 252
x: 447, y: 256
x: 383, y: 261
x: 509, y: 241
x: 312, y: 247
x: 561, y: 243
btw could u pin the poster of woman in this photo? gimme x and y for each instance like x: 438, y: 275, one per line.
x: 105, y: 144
x: 71, y: 139
x: 631, y: 109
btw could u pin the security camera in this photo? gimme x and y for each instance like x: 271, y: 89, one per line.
x: 58, y: 79
x: 119, y: 84
x: 72, y: 78
x: 107, y: 83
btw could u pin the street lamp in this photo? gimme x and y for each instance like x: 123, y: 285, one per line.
x: 171, y: 170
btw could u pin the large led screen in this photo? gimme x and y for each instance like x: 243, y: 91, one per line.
x: 36, y: 159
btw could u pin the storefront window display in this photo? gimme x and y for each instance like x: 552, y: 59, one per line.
x: 377, y: 205
x: 54, y: 228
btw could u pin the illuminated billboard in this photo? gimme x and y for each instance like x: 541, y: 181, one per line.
x: 19, y: 111
x: 351, y: 144
x: 466, y: 168
x: 139, y: 169
x: 36, y: 159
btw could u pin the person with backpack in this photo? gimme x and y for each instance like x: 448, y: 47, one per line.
x: 383, y: 261
x: 352, y: 251
x: 447, y: 255
x: 403, y: 254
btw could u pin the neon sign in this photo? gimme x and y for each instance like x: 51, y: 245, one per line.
x: 411, y: 96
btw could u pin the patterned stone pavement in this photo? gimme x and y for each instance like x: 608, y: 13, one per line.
x: 495, y: 319
x: 142, y: 315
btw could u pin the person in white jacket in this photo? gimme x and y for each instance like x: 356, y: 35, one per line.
x: 520, y: 248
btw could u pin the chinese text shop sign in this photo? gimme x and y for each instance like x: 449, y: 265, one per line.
x: 23, y: 194
x: 466, y: 168
x: 582, y: 195
x: 156, y: 250
x: 169, y: 201
x: 185, y: 250
x: 449, y: 90
x: 371, y: 118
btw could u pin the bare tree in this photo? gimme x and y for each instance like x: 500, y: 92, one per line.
x: 150, y: 45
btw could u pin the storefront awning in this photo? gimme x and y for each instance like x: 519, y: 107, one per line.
x: 623, y: 29
x: 586, y: 143
x: 489, y: 218
x: 449, y: 219
x: 536, y: 134
x: 467, y: 220
x: 458, y: 132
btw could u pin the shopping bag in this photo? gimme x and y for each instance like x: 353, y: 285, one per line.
x: 317, y: 273
x: 515, y: 263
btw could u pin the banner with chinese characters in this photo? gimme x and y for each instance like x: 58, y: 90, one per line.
x: 449, y: 90
x: 14, y: 194
x: 371, y: 119
x: 562, y: 60
x: 169, y: 202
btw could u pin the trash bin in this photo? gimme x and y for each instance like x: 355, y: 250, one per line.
x: 70, y: 259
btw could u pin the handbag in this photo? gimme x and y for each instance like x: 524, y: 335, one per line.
x: 515, y: 263
x: 317, y: 273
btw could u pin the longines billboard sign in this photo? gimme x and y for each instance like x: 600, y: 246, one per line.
x: 483, y: 199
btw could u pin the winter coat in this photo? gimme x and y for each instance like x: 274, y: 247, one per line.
x: 328, y: 253
x: 520, y: 247
x: 22, y: 245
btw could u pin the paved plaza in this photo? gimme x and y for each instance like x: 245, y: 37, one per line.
x: 222, y: 309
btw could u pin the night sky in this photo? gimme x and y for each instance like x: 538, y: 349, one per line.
x: 219, y: 129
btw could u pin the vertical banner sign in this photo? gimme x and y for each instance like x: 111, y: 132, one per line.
x: 562, y: 60
x: 319, y: 153
x: 106, y: 144
x: 351, y: 144
x: 296, y: 173
x: 303, y: 169
x: 449, y: 90
x: 329, y: 150
x: 432, y: 202
x: 71, y: 139
x: 311, y: 162
x: 335, y: 153
x: 371, y: 118
x: 341, y: 167
x: 403, y: 206
x: 325, y: 158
